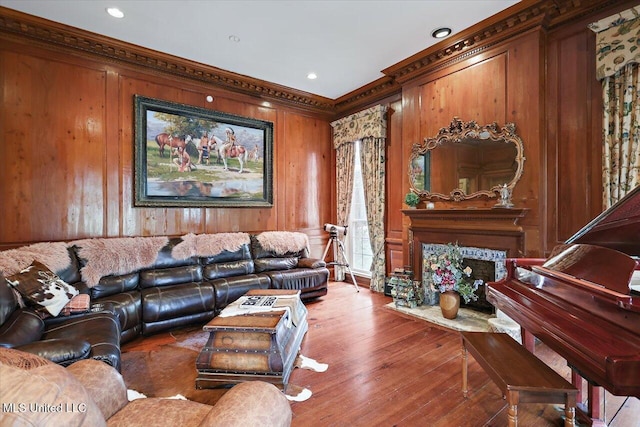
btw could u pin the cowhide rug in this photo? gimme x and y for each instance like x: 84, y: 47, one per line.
x: 169, y: 369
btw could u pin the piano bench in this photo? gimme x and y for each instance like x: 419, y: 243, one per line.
x: 521, y: 376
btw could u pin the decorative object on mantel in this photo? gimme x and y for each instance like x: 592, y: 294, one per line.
x: 449, y: 274
x: 505, y: 198
x: 412, y: 200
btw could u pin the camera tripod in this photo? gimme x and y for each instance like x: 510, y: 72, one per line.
x: 338, y: 253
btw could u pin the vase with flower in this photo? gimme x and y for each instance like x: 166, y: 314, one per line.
x: 449, y: 276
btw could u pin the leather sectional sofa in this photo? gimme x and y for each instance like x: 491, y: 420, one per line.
x: 145, y: 285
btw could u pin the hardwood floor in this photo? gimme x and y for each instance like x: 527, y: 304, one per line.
x: 387, y: 369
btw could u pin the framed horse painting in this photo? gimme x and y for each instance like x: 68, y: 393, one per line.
x: 193, y: 157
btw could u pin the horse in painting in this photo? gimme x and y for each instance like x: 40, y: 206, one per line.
x: 163, y: 139
x: 227, y: 150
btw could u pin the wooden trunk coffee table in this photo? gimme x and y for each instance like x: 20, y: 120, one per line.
x: 252, y: 343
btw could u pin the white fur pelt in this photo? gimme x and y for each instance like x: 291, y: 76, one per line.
x: 209, y: 244
x: 113, y: 256
x: 283, y: 242
x: 54, y: 255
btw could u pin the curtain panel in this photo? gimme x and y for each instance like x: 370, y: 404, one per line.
x: 345, y: 158
x: 371, y: 122
x: 621, y: 132
x: 373, y: 162
x: 617, y: 42
x: 617, y: 64
x: 369, y: 127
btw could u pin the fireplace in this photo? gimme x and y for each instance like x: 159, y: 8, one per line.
x: 487, y: 236
x: 488, y: 265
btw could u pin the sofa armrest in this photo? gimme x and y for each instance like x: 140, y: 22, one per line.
x: 103, y: 383
x: 22, y: 327
x: 58, y: 350
x: 252, y: 403
x: 311, y: 263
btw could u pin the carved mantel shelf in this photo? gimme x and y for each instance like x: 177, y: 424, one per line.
x: 501, y: 218
x: 496, y: 229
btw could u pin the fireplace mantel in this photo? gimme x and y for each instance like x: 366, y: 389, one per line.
x: 496, y: 229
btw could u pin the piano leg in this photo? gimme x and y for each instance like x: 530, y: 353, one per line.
x: 591, y: 414
x: 465, y: 388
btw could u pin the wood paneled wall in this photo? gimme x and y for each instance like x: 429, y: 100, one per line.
x: 66, y: 123
x: 498, y: 85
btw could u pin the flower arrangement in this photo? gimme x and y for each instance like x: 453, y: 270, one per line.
x: 448, y: 274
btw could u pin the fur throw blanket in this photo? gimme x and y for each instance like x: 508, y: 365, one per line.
x: 54, y: 255
x: 283, y: 242
x: 106, y: 257
x: 204, y: 245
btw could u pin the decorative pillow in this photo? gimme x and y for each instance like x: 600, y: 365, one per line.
x: 42, y: 288
x: 78, y: 304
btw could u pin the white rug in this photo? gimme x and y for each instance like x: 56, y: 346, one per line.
x: 467, y: 320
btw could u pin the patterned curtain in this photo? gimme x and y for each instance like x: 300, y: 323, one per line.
x: 345, y: 156
x: 617, y: 57
x: 373, y: 172
x: 621, y: 159
x: 367, y: 125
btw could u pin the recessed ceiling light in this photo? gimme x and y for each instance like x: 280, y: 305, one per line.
x: 441, y: 32
x: 115, y: 12
x: 234, y: 39
x: 312, y: 76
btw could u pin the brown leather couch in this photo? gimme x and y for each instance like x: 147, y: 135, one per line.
x: 37, y: 392
x: 172, y: 291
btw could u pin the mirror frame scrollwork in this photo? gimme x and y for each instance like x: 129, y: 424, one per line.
x: 457, y: 132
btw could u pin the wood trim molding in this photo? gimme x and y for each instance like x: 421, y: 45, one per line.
x: 521, y: 17
x: 17, y: 26
x: 499, y: 28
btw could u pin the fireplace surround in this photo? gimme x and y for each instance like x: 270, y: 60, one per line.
x: 487, y: 265
x: 494, y: 229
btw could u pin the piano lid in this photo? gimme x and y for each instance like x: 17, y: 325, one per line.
x: 617, y: 228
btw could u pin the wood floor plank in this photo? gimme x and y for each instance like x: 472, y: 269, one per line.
x: 387, y: 369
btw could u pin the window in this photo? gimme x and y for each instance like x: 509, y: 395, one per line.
x: 357, y: 245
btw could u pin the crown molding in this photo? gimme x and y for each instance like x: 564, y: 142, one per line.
x: 367, y: 95
x: 518, y: 19
x: 19, y: 26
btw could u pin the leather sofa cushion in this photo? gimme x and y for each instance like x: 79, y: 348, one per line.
x: 60, y: 350
x: 101, y: 330
x: 8, y: 301
x: 227, y: 290
x: 311, y: 263
x: 300, y: 278
x: 168, y: 302
x: 22, y: 327
x: 269, y: 264
x: 170, y: 276
x: 112, y: 285
x: 228, y: 269
x: 225, y: 256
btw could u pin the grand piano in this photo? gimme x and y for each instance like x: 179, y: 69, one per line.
x: 583, y: 303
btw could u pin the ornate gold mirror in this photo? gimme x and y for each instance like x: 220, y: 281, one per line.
x: 466, y: 161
